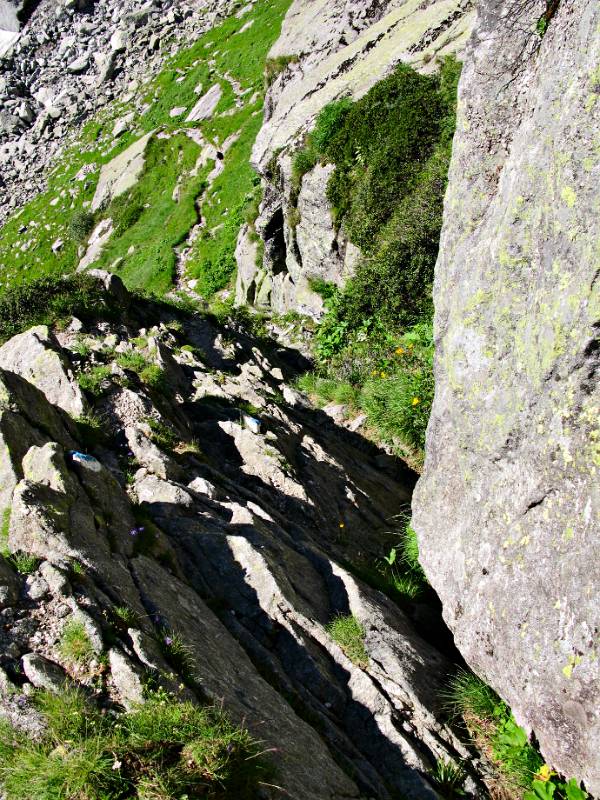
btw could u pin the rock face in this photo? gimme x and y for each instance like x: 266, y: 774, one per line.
x: 508, y: 508
x: 335, y: 49
x: 184, y: 521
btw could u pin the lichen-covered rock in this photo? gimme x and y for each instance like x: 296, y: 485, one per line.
x: 508, y: 508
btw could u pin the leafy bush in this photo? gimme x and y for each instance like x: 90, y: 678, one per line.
x: 329, y: 122
x: 389, y: 379
x: 350, y: 635
x: 304, y: 160
x: 399, y: 406
x: 163, y: 749
x: 80, y: 226
x: 46, y: 301
x: 391, y: 153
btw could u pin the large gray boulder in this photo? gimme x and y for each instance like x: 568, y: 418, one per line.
x: 35, y: 356
x: 508, y: 508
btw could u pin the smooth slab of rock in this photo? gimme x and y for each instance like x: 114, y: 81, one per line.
x: 121, y: 173
x: 205, y: 107
x: 126, y: 678
x: 508, y: 507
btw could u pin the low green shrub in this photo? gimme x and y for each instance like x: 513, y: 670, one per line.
x: 163, y: 749
x: 46, y: 301
x: 24, y: 563
x: 80, y: 226
x: 388, y: 378
x: 348, y: 632
x: 275, y: 66
x: 150, y: 374
x: 95, y: 379
x: 75, y: 644
x: 153, y: 376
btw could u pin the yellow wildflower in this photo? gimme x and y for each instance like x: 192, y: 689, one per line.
x: 383, y: 375
x: 399, y: 351
x: 416, y: 401
x: 545, y: 773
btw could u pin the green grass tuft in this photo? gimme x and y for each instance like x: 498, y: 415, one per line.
x: 24, y: 563
x: 348, y: 632
x: 448, y: 778
x: 164, y: 749
x: 75, y: 645
x: 94, y: 381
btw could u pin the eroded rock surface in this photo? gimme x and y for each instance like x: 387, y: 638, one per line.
x: 180, y: 520
x: 508, y: 508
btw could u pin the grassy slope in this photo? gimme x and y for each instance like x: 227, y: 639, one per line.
x: 165, y: 222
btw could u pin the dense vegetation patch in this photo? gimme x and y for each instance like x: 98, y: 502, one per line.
x: 519, y: 770
x: 391, y: 151
x: 386, y: 375
x: 164, y: 749
x: 48, y: 300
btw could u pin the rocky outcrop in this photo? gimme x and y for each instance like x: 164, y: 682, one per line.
x: 331, y: 50
x: 508, y: 508
x: 197, y: 515
x: 34, y: 356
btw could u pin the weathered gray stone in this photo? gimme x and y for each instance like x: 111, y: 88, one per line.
x: 34, y: 355
x: 206, y: 105
x: 10, y: 585
x: 56, y: 579
x: 225, y: 672
x: 126, y: 678
x: 147, y: 454
x: 508, y: 508
x: 43, y: 673
x: 22, y: 407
